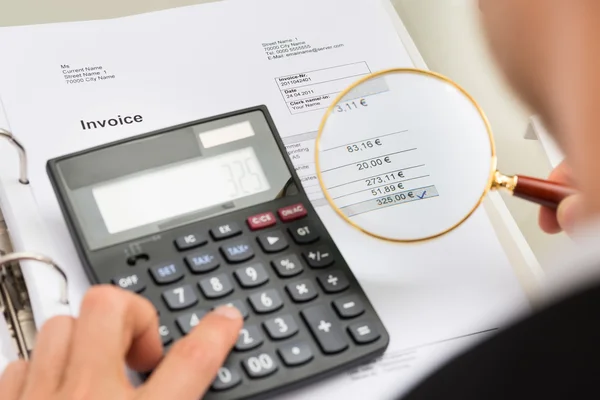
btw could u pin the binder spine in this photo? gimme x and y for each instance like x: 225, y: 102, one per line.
x: 15, y: 307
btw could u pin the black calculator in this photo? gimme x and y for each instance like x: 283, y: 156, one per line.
x: 212, y: 212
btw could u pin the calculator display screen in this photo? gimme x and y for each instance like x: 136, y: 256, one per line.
x: 180, y: 189
x: 141, y: 187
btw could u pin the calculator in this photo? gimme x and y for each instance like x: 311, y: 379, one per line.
x: 212, y: 212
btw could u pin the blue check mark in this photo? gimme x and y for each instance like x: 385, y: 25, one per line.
x: 422, y: 195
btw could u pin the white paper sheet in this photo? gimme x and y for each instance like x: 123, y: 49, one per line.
x: 184, y: 64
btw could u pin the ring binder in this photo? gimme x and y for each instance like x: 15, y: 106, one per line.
x: 23, y: 178
x: 27, y: 256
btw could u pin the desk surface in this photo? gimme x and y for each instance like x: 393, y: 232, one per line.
x: 448, y: 37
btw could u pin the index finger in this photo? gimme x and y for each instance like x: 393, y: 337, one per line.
x: 114, y: 326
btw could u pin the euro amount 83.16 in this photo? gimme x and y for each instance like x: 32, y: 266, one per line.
x: 367, y: 144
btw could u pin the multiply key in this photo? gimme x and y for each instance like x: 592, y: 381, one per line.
x: 238, y: 251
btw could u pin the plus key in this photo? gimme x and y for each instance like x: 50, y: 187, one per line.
x: 325, y: 328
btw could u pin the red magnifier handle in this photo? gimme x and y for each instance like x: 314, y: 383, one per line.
x: 540, y: 191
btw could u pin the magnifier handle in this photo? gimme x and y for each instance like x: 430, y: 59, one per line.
x: 540, y: 191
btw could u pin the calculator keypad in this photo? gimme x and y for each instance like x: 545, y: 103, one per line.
x: 295, y: 354
x: 166, y: 273
x: 299, y: 306
x: 249, y: 338
x: 216, y: 286
x: 281, y: 327
x: 180, y: 297
x: 252, y: 275
x: 237, y: 251
x: 273, y: 242
x: 203, y: 261
x: 266, y: 301
x: 288, y: 265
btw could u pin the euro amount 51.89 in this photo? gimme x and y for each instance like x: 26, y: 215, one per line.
x: 387, y: 189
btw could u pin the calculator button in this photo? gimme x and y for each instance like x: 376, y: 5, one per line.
x: 281, y: 327
x: 225, y: 231
x: 324, y: 327
x: 237, y: 251
x: 348, y: 307
x: 165, y: 334
x: 237, y: 304
x: 287, y: 266
x: 203, y: 261
x: 260, y: 365
x: 303, y: 233
x: 249, y: 338
x: 130, y: 282
x: 291, y: 213
x: 188, y: 321
x: 227, y: 378
x: 295, y: 354
x: 333, y: 281
x: 180, y: 297
x: 190, y: 241
x: 363, y: 332
x: 216, y: 286
x: 251, y: 275
x: 272, y: 242
x: 166, y: 273
x: 301, y: 291
x: 261, y: 221
x: 266, y: 301
x: 318, y: 257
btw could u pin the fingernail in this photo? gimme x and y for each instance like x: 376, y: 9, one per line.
x: 230, y: 312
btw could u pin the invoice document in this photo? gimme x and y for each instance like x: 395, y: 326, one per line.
x: 67, y: 87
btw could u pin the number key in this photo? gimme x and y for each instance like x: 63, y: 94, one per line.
x: 251, y: 275
x: 237, y: 304
x: 180, y: 297
x: 227, y: 378
x: 266, y: 301
x: 216, y: 286
x: 249, y: 338
x: 281, y: 327
x: 188, y: 321
x: 260, y: 365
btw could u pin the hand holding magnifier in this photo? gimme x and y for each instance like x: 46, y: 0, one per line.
x: 407, y: 155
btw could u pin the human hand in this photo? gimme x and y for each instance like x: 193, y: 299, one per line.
x: 85, y: 357
x: 565, y: 217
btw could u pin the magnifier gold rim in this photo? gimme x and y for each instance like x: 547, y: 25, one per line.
x: 493, y: 166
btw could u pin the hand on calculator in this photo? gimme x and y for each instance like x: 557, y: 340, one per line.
x: 84, y: 357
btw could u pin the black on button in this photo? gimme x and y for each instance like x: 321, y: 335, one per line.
x: 237, y: 251
x: 202, y: 261
x: 272, y: 242
x: 166, y: 273
x: 333, y: 281
x: 227, y: 378
x: 363, y: 332
x: 349, y: 306
x: 301, y: 291
x: 294, y: 354
x: 248, y: 338
x: 281, y: 327
x: 190, y: 241
x: 225, y: 231
x: 130, y: 282
x: 260, y: 365
x: 303, y: 233
x: 216, y: 286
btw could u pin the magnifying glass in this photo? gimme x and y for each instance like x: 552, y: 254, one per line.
x: 407, y: 155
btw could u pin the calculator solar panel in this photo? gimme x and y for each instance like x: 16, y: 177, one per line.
x: 212, y: 212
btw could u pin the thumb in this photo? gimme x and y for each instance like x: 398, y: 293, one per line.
x: 568, y: 213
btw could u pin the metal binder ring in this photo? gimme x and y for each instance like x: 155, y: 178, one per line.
x: 22, y: 155
x: 27, y: 256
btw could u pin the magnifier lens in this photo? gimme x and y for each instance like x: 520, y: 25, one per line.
x: 405, y: 155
